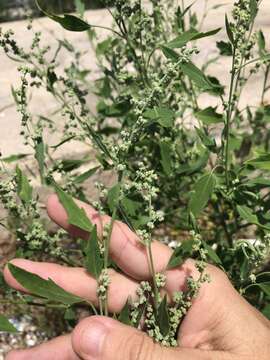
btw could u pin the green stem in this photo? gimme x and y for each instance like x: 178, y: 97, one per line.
x: 153, y: 273
x: 265, y: 83
x: 228, y: 119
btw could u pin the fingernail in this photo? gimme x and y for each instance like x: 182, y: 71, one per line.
x: 92, y: 339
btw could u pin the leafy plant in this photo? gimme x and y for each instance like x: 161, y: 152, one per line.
x: 207, y: 183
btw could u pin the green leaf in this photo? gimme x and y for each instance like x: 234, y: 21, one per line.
x: 76, y: 215
x: 14, y: 157
x: 225, y: 48
x: 196, y: 76
x: 25, y: 190
x: 80, y: 7
x: 203, y: 190
x: 180, y: 254
x: 229, y: 30
x: 86, y: 175
x: 113, y: 196
x: 189, y: 35
x: 253, y: 9
x: 6, y: 326
x: 247, y: 214
x: 93, y: 260
x: 261, y: 43
x: 40, y: 156
x: 68, y: 22
x: 174, y: 262
x: 163, y: 115
x: 209, y: 116
x: 208, y: 142
x: 46, y: 289
x: 262, y: 162
x: 163, y: 317
x: 166, y: 161
x: 124, y: 317
x: 212, y: 254
x: 265, y: 287
x: 170, y: 54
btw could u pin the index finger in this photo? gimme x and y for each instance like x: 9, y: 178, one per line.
x: 125, y: 247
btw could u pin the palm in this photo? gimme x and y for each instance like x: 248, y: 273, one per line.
x: 199, y: 328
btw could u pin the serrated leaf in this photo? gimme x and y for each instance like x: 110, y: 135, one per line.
x: 93, y: 259
x: 203, y: 190
x: 46, y: 289
x: 209, y: 116
x: 196, y: 76
x: 68, y: 22
x: 190, y: 35
x: 76, y: 215
x: 229, y: 30
x: 225, y: 48
x: 163, y: 317
x: 124, y: 317
x: 6, y: 326
x: 163, y: 115
x: 25, y: 190
x: 212, y: 254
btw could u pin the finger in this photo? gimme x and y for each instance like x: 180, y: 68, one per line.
x: 125, y: 248
x: 78, y: 282
x: 57, y: 349
x: 103, y: 338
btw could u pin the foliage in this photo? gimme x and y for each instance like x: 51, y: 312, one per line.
x: 210, y: 179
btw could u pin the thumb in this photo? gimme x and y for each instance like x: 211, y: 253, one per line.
x: 102, y: 338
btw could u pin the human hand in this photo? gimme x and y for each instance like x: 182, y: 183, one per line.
x: 220, y: 325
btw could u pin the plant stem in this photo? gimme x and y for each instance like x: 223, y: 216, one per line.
x: 153, y: 273
x: 265, y: 83
x: 228, y: 119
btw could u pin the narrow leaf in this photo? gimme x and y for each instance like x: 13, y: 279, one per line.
x: 93, y: 260
x: 166, y: 161
x: 86, y: 175
x: 261, y: 162
x: 46, y: 289
x: 6, y: 326
x: 196, y: 76
x: 163, y: 317
x: 68, y: 22
x: 209, y: 116
x: 124, y: 317
x: 229, y: 30
x: 203, y: 191
x: 14, y: 157
x: 25, y: 190
x: 212, y: 254
x: 76, y: 215
x: 265, y: 288
x: 190, y: 35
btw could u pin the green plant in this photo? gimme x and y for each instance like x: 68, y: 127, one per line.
x: 207, y: 182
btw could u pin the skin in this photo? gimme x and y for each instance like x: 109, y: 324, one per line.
x: 221, y: 325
